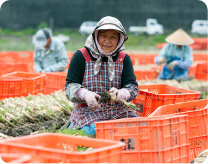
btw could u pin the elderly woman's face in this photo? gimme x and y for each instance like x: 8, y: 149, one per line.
x: 108, y: 40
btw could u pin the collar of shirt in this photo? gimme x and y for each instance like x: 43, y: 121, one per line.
x: 176, y: 47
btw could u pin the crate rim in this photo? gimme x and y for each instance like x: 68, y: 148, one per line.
x: 163, y: 84
x: 115, y: 144
x: 31, y: 78
x: 10, y: 79
x: 143, y: 119
x: 190, y: 103
x: 20, y: 157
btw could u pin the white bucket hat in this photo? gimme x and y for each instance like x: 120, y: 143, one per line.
x: 179, y: 37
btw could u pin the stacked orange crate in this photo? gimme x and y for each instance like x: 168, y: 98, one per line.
x: 145, y: 74
x: 156, y: 95
x: 10, y: 87
x: 54, y: 81
x: 150, y: 139
x: 33, y: 83
x: 202, y: 71
x: 198, y: 122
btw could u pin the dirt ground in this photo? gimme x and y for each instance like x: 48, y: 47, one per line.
x: 44, y: 124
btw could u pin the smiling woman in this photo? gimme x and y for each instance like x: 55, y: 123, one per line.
x: 101, y: 66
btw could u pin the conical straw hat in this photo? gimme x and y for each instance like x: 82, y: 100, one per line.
x: 179, y: 37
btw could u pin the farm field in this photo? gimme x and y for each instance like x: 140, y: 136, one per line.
x: 34, y: 114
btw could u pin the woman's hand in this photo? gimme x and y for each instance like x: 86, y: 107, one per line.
x: 172, y: 64
x: 91, y: 99
x: 122, y: 94
x: 161, y: 60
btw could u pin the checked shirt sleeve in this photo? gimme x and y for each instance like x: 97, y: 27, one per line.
x: 133, y: 90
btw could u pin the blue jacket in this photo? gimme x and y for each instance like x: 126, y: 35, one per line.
x: 184, y: 58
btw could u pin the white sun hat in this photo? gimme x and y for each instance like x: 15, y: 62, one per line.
x: 179, y: 37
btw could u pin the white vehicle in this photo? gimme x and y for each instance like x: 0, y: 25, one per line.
x: 87, y: 27
x: 199, y: 27
x: 152, y: 28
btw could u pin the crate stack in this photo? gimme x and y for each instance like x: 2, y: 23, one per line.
x: 172, y: 129
x: 197, y: 112
x: 150, y: 139
x: 18, y: 83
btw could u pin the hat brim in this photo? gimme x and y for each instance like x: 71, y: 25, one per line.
x: 179, y: 37
x: 40, y: 43
x: 109, y: 27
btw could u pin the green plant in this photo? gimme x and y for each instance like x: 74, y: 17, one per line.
x: 67, y: 31
x: 29, y: 31
x: 204, y: 95
x: 75, y: 132
x: 42, y: 25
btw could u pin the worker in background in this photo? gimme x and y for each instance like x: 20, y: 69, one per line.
x: 50, y: 54
x: 176, y: 55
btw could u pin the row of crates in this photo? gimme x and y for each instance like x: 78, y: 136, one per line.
x: 8, y: 68
x: 198, y: 71
x: 160, y: 136
x: 144, y: 59
x: 148, y: 139
x: 139, y: 140
x: 14, y: 57
x: 18, y: 84
x: 174, y: 133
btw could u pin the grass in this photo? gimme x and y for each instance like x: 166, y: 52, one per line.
x: 204, y: 95
x: 73, y: 132
x: 11, y: 40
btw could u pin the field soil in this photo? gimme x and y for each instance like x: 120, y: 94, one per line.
x: 44, y: 124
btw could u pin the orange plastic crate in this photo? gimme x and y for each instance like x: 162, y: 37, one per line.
x: 8, y: 68
x: 150, y: 139
x: 145, y: 74
x: 10, y: 87
x: 142, y: 59
x: 7, y: 57
x: 25, y: 56
x: 198, y: 120
x: 202, y: 71
x: 33, y: 83
x: 54, y: 81
x: 15, y: 158
x: 156, y: 95
x: 200, y: 57
x: 192, y: 70
x: 60, y: 148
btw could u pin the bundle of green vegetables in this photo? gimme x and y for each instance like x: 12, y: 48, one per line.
x: 17, y: 111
